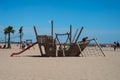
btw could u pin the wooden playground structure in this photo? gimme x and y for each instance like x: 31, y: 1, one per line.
x: 53, y: 47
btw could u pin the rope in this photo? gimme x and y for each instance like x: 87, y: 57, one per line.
x: 93, y: 49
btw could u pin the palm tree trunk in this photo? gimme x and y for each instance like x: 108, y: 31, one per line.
x: 5, y: 39
x: 9, y: 45
x: 20, y: 41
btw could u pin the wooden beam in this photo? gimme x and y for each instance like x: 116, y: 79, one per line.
x: 99, y: 46
x: 52, y: 28
x: 37, y: 40
x: 79, y: 35
x: 70, y: 36
x: 75, y: 35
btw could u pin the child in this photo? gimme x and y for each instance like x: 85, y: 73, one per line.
x: 115, y: 46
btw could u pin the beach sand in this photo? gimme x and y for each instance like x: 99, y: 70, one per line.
x: 28, y: 67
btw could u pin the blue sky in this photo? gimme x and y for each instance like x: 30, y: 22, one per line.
x: 100, y: 18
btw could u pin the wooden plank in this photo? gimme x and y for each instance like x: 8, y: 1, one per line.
x: 37, y: 40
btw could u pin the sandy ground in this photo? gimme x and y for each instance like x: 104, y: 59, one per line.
x: 26, y: 67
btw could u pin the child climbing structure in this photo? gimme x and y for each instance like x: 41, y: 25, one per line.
x: 54, y: 48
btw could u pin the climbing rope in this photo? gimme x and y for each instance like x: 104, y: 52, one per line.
x: 93, y: 49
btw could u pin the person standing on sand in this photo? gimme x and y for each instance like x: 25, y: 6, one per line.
x: 118, y: 45
x: 23, y: 45
x: 85, y: 39
x: 0, y: 46
x: 115, y: 46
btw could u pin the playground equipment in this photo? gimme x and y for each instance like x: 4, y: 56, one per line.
x: 17, y: 53
x: 54, y: 48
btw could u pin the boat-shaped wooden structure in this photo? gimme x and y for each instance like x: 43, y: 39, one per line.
x: 54, y: 48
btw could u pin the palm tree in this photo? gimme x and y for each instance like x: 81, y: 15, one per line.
x: 21, y: 34
x: 9, y: 30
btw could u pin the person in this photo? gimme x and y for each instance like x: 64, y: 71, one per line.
x: 17, y: 44
x: 4, y: 46
x: 118, y: 44
x: 84, y: 39
x: 115, y: 46
x: 23, y: 45
x: 0, y: 46
x: 27, y: 44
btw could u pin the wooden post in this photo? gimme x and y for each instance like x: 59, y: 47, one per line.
x: 79, y: 35
x: 79, y: 49
x: 52, y: 28
x: 57, y: 38
x: 37, y: 41
x: 62, y: 47
x: 52, y: 32
x: 99, y: 46
x: 75, y: 35
x: 70, y: 36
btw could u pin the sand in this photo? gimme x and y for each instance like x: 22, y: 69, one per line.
x: 27, y: 67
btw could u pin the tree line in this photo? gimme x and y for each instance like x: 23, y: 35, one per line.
x: 7, y: 32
